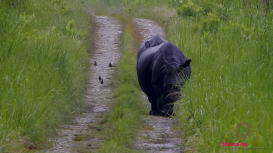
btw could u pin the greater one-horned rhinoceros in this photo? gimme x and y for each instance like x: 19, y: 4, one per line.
x: 162, y: 69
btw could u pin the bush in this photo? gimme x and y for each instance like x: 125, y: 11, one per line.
x: 210, y: 24
x: 189, y: 9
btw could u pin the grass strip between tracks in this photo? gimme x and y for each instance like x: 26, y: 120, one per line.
x: 125, y: 116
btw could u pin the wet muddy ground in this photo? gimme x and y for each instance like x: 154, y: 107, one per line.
x: 99, y: 93
x: 157, y: 135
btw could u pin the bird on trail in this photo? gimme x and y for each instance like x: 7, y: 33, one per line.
x: 101, y: 81
x: 95, y: 63
x: 110, y: 64
x: 99, y: 77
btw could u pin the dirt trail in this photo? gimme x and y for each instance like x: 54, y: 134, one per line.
x: 98, y: 96
x: 157, y: 136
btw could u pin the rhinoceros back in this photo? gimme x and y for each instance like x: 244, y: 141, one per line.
x: 147, y: 56
x: 152, y: 42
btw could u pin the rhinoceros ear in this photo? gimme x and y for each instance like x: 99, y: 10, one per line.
x: 147, y: 44
x: 186, y: 64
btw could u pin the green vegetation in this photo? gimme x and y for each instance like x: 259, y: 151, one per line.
x: 43, y: 61
x: 230, y: 44
x: 232, y: 69
x: 128, y: 108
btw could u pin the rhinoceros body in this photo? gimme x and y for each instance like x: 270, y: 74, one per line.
x: 161, y: 66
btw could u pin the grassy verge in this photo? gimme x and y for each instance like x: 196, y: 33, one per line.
x: 230, y: 85
x: 127, y: 110
x: 43, y: 61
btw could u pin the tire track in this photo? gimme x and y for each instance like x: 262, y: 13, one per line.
x: 157, y: 136
x: 98, y: 96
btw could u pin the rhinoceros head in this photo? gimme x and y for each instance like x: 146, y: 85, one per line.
x: 173, y: 78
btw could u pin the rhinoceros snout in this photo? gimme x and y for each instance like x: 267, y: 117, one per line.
x: 173, y: 97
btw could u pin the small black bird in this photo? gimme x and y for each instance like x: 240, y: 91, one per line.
x: 95, y: 63
x: 101, y: 81
x: 99, y: 77
x: 110, y: 64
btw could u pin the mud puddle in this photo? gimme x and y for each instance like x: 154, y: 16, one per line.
x: 157, y: 135
x: 99, y: 93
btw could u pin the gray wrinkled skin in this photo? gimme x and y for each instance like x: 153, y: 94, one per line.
x: 159, y: 69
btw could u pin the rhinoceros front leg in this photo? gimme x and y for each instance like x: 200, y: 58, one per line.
x: 155, y: 108
x: 168, y: 110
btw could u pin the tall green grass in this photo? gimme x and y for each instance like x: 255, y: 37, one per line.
x: 231, y: 83
x: 230, y: 45
x: 43, y: 59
